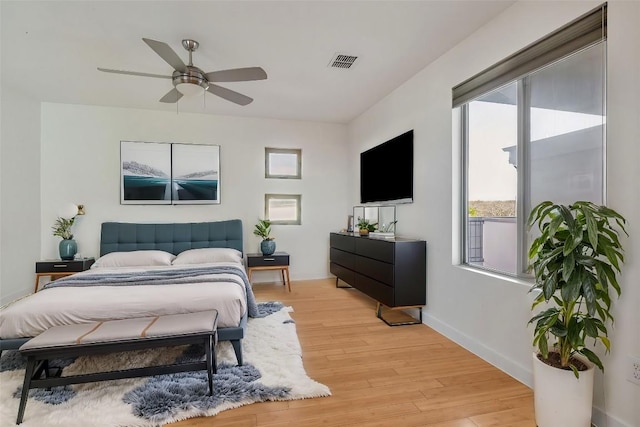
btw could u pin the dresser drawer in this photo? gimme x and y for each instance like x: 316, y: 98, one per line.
x: 378, y: 270
x: 376, y: 290
x: 344, y: 243
x: 59, y: 266
x: 376, y: 249
x: 258, y: 260
x: 344, y: 274
x: 343, y: 258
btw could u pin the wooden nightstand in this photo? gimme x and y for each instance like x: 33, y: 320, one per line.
x: 276, y: 261
x: 55, y: 268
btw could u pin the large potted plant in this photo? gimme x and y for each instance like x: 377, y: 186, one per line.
x: 263, y: 230
x: 575, y: 260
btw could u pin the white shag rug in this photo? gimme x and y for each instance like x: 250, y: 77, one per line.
x: 272, y: 370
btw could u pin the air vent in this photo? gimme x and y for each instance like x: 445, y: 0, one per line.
x: 341, y: 60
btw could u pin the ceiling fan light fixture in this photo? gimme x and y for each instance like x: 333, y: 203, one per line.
x: 190, y: 89
x: 191, y: 82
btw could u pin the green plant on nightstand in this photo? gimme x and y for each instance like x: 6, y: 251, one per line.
x: 62, y: 227
x: 263, y: 230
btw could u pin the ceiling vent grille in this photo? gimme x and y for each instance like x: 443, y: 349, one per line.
x: 341, y: 60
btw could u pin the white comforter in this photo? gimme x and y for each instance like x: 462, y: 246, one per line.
x: 34, y: 314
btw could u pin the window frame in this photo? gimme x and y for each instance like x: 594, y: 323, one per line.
x: 270, y: 150
x: 584, y: 32
x: 297, y: 197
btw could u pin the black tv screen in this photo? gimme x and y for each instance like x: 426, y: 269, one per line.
x: 386, y: 171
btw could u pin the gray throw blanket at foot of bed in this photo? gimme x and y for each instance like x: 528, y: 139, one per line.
x: 163, y: 277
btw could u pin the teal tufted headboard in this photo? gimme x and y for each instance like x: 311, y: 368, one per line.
x: 174, y: 237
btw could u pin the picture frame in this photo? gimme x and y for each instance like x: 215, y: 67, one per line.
x: 195, y: 174
x: 156, y: 173
x: 145, y: 173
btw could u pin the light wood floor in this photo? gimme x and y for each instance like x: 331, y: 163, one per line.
x: 380, y: 375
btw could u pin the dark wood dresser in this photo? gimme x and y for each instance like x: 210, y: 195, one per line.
x: 391, y: 271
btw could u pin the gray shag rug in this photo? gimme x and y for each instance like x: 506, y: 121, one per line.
x: 273, y: 370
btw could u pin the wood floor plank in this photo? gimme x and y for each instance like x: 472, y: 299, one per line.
x: 380, y: 376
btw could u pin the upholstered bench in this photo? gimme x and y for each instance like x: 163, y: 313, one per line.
x: 118, y: 335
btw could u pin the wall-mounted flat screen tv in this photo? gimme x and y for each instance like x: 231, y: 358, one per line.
x: 386, y: 171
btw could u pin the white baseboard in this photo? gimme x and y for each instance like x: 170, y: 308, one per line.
x: 517, y: 371
x: 599, y: 418
x: 512, y: 368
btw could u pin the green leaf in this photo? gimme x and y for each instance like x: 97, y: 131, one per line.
x: 613, y: 236
x: 589, y: 292
x: 549, y: 287
x: 602, y: 277
x: 590, y: 328
x: 567, y: 215
x: 606, y: 342
x: 554, y: 225
x: 574, y: 333
x: 568, y: 265
x: 543, y: 346
x: 558, y: 329
x: 575, y: 371
x: 592, y: 357
x: 611, y: 275
x: 598, y: 324
x: 571, y: 290
x: 535, y: 212
x: 612, y: 256
x: 545, y: 314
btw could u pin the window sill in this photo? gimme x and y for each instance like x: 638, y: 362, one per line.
x: 522, y: 281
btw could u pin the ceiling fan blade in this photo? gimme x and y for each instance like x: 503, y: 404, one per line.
x: 237, y: 75
x: 171, y: 97
x: 133, y: 73
x: 230, y: 95
x: 166, y: 53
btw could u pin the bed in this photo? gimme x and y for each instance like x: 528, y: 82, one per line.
x: 143, y: 270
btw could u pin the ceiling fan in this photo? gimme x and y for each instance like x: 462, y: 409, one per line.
x: 190, y: 80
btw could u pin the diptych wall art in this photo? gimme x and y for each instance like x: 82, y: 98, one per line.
x: 154, y: 173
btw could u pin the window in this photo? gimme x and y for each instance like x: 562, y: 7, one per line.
x: 538, y: 135
x: 283, y: 163
x: 283, y: 208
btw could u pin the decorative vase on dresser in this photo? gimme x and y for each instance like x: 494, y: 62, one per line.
x: 67, y: 248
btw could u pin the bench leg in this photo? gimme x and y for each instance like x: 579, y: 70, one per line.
x: 211, y: 367
x: 31, y: 365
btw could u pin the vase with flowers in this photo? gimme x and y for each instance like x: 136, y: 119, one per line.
x: 62, y: 228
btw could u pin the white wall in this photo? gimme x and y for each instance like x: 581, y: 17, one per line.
x: 19, y: 194
x: 486, y: 313
x: 81, y: 164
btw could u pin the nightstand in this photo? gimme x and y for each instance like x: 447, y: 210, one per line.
x: 55, y: 268
x: 276, y: 261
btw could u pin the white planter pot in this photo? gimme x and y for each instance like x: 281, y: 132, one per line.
x: 561, y: 399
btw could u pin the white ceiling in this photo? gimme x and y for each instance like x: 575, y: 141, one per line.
x: 51, y: 50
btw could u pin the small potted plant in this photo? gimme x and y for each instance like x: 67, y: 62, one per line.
x: 365, y: 227
x: 575, y: 261
x: 62, y: 228
x: 263, y: 230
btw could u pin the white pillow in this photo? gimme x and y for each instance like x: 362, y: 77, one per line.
x: 207, y: 255
x: 134, y: 259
